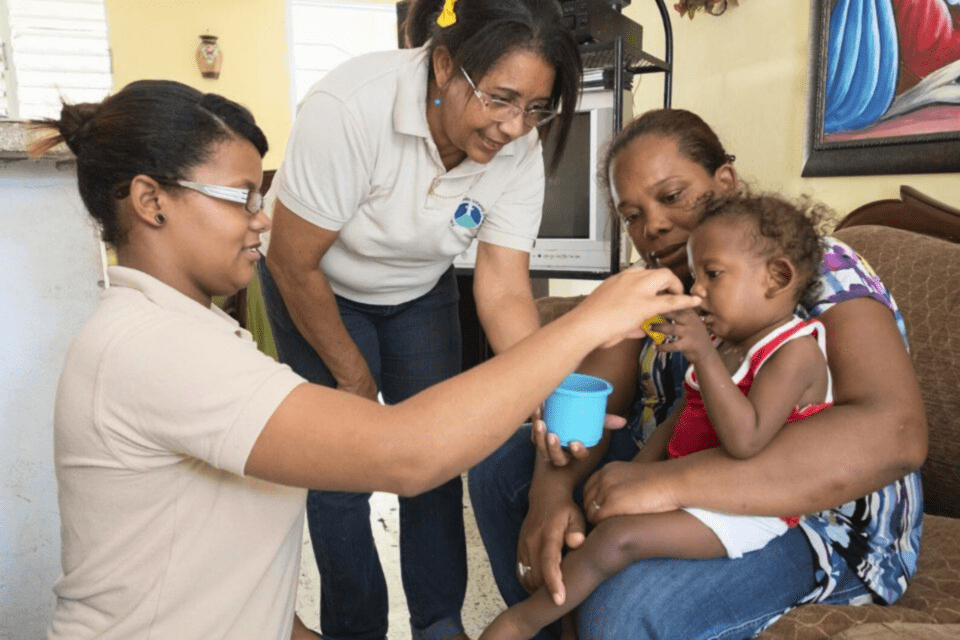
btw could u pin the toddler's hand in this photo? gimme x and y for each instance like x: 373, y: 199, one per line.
x: 685, y: 332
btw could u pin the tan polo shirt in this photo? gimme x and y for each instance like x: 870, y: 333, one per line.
x: 159, y: 404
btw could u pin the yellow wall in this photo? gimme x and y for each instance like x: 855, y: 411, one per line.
x: 158, y: 39
x: 745, y: 72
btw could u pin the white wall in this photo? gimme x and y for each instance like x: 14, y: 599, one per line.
x: 48, y: 287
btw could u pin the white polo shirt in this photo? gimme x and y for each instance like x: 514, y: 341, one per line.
x: 361, y: 161
x: 158, y: 407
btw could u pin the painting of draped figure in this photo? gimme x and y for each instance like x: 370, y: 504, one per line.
x: 884, y: 87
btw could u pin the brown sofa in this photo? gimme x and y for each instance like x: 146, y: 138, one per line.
x: 923, y: 273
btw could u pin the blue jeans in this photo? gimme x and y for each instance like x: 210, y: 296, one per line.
x: 653, y: 599
x: 408, y: 348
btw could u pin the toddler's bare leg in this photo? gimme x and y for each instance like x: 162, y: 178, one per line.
x: 568, y: 626
x: 610, y: 547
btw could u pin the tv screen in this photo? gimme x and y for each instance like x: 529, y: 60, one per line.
x: 577, y: 234
x: 566, y: 203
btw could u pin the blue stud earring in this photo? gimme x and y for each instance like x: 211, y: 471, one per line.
x: 436, y: 101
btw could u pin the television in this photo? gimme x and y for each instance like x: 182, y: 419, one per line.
x: 577, y: 235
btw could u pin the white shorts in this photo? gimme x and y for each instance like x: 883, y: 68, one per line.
x: 740, y: 534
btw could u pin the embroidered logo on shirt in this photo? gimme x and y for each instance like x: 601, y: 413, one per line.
x: 469, y: 214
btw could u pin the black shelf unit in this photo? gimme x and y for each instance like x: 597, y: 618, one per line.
x: 612, y: 57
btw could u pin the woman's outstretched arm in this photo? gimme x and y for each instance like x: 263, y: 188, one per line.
x: 322, y: 438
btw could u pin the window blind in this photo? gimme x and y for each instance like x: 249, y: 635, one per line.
x: 53, y: 49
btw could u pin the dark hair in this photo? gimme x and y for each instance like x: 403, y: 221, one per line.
x: 488, y: 30
x: 694, y: 137
x: 419, y: 22
x: 157, y: 128
x: 774, y: 226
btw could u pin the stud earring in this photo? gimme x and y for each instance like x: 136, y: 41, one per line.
x: 436, y: 101
x: 160, y: 218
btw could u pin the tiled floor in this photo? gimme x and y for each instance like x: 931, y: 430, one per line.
x: 483, y: 601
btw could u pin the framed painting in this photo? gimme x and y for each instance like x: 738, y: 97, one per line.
x: 884, y: 87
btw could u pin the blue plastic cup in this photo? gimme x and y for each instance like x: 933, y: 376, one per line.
x: 576, y: 409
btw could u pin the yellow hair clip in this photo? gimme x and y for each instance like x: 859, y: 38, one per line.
x: 447, y: 16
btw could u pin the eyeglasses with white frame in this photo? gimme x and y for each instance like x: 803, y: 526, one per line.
x: 503, y: 110
x: 251, y: 199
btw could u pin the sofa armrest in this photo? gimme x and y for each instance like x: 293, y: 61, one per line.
x: 914, y: 211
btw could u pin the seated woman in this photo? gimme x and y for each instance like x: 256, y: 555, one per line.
x: 861, y: 454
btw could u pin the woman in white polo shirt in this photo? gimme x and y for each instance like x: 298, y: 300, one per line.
x: 181, y: 450
x: 397, y: 161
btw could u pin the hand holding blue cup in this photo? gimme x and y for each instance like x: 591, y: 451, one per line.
x: 577, y: 408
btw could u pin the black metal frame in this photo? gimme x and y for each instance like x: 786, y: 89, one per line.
x: 645, y: 64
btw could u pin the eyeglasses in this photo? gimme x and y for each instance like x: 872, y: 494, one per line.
x: 503, y: 110
x: 251, y: 199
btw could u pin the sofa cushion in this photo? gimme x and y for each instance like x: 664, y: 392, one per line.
x: 933, y: 597
x: 923, y: 274
x: 935, y: 589
x: 552, y: 307
x: 901, y: 630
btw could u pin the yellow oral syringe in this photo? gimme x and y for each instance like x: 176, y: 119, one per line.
x: 656, y: 336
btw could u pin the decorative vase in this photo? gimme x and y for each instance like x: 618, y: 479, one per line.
x: 209, y: 57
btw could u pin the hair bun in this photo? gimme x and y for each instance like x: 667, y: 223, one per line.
x: 75, y: 123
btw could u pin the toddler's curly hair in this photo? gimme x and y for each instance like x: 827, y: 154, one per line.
x: 777, y: 226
